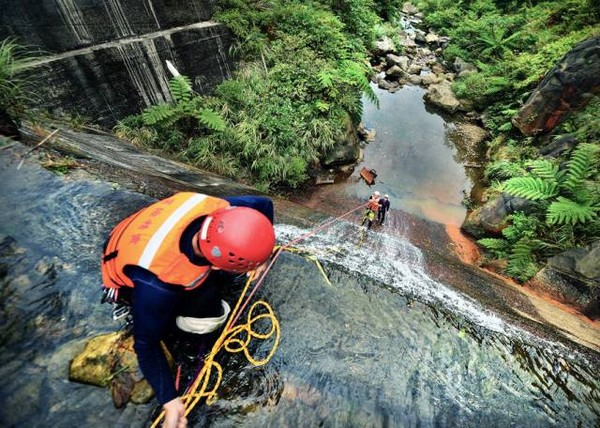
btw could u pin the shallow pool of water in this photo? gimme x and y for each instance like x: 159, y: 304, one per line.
x: 416, y: 161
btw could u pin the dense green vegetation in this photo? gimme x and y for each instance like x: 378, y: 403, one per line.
x: 15, y: 89
x: 514, y: 44
x: 302, y: 73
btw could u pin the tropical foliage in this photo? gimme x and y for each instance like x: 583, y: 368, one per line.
x: 15, y: 86
x: 302, y: 74
x: 514, y: 44
x: 566, y: 214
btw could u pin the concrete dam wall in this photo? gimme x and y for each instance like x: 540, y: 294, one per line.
x: 105, y: 59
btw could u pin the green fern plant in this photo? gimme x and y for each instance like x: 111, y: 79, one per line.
x: 498, y: 247
x: 186, y: 105
x: 570, y: 196
x: 565, y: 211
x: 521, y: 260
x: 533, y: 188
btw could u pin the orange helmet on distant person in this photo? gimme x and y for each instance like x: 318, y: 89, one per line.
x: 237, y: 239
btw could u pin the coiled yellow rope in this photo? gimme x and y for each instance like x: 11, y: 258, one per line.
x: 233, y: 339
x: 229, y: 338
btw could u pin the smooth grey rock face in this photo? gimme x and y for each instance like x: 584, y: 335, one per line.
x: 107, y: 58
x: 63, y: 25
x: 108, y: 82
x: 567, y: 87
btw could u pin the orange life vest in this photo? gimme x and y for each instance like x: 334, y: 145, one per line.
x: 150, y: 239
x: 373, y: 204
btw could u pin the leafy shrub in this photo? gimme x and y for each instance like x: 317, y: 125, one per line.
x: 15, y: 86
x: 568, y: 198
x: 297, y: 91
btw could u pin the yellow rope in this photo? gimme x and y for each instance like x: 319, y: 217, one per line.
x: 233, y: 339
x: 237, y: 339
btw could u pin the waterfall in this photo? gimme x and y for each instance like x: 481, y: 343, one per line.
x: 388, y: 260
x: 73, y: 18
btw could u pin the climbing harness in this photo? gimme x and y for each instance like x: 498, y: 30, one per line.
x: 237, y: 338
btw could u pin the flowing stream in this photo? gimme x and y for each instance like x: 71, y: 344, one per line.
x: 381, y: 345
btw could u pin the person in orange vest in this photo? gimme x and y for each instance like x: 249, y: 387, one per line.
x: 371, y: 210
x: 168, y: 263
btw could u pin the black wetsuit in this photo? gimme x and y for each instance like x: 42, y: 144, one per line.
x: 384, y: 207
x: 157, y: 304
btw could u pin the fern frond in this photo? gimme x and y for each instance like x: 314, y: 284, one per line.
x: 521, y: 269
x: 545, y: 169
x: 521, y: 260
x: 354, y: 74
x: 211, y: 119
x: 498, y: 247
x: 181, y: 88
x: 582, y: 164
x: 566, y: 211
x: 493, y: 244
x: 532, y: 188
x: 325, y: 79
x: 155, y: 114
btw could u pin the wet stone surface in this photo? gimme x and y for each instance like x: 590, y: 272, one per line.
x: 384, y: 344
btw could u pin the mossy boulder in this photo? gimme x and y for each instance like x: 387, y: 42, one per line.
x: 109, y: 360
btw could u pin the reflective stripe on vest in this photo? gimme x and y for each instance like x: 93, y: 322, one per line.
x: 150, y: 239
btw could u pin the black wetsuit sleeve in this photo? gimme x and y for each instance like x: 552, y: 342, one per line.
x: 154, y: 312
x: 259, y: 203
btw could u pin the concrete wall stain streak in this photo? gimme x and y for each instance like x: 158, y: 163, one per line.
x: 107, y: 57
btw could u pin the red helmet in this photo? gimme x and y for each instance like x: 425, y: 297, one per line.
x: 236, y: 239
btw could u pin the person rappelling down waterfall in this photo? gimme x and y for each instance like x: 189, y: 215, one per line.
x: 168, y: 262
x: 371, y: 210
x: 384, y: 207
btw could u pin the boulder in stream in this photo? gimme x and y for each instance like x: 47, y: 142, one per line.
x: 384, y: 46
x: 491, y: 217
x: 414, y: 69
x: 395, y: 71
x: 441, y: 95
x: 574, y: 277
x: 432, y: 38
x: 366, y: 134
x: 400, y: 61
x: 345, y: 150
x: 109, y: 360
x: 414, y: 79
x: 431, y: 79
x: 567, y: 87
